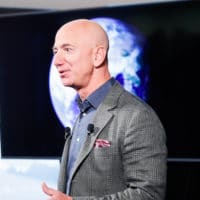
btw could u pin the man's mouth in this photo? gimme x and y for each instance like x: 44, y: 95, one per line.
x: 63, y: 73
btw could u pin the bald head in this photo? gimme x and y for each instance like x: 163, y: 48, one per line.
x: 86, y: 30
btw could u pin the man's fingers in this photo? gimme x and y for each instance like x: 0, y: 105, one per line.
x: 54, y: 194
x: 49, y: 191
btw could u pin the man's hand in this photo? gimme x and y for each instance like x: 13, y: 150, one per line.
x: 54, y: 194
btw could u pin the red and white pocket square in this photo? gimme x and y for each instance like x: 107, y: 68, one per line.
x: 100, y: 143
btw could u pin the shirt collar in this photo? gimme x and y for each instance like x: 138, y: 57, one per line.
x: 98, y: 95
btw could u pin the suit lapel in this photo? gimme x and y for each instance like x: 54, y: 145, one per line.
x: 101, y: 119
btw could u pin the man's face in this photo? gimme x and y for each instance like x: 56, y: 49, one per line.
x: 73, y: 57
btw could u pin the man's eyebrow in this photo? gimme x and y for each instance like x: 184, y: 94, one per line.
x: 62, y: 46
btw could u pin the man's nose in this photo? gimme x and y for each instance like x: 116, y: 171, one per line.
x: 58, y: 59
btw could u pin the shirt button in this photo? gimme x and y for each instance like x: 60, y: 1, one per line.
x: 78, y: 139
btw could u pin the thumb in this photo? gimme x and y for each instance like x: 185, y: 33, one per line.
x: 49, y: 191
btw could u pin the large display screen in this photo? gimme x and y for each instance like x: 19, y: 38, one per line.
x: 125, y: 48
x: 154, y: 54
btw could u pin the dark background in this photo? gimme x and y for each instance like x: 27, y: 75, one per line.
x: 29, y: 126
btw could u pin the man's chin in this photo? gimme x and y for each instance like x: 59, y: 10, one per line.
x: 67, y: 83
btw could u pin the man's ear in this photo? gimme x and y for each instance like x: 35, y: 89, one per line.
x: 99, y: 56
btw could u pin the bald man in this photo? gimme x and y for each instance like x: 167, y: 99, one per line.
x: 117, y: 148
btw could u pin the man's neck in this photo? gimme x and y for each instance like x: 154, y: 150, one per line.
x: 85, y: 92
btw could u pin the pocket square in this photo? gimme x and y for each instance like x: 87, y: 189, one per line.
x: 99, y: 143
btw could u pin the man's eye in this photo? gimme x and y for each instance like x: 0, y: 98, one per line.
x: 68, y: 50
x: 54, y: 52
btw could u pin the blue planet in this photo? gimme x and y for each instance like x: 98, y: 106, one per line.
x: 126, y: 45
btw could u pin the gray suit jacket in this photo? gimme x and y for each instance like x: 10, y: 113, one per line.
x: 132, y: 166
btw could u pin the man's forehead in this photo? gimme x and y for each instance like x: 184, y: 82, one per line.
x: 65, y: 33
x: 65, y: 37
x: 73, y: 38
x: 69, y: 33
